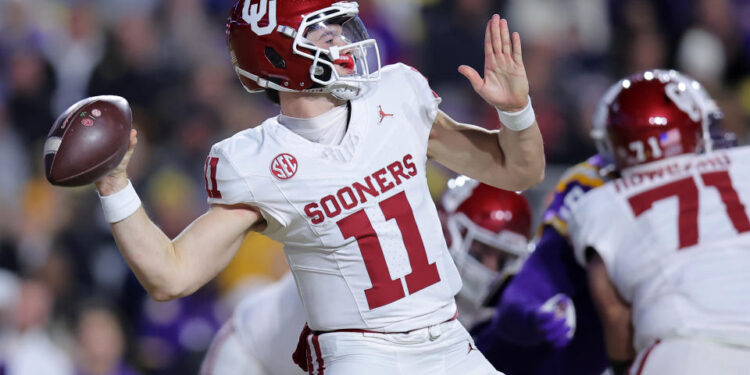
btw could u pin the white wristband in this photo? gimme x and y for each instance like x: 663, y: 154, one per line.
x: 517, y: 121
x: 120, y: 205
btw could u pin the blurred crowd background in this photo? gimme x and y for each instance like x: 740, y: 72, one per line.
x: 69, y: 304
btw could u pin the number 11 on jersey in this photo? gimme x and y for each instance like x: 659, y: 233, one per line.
x: 384, y: 289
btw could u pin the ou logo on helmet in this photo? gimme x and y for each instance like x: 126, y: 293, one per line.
x: 284, y: 166
x: 685, y: 100
x: 253, y: 14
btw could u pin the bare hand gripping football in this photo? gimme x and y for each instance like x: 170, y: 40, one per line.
x: 88, y: 140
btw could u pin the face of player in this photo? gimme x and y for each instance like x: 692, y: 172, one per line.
x: 327, y: 35
x: 492, y: 258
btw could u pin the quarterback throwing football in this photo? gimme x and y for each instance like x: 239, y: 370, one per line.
x: 339, y: 178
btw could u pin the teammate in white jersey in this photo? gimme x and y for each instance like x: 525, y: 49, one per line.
x: 667, y: 245
x: 261, y: 335
x: 339, y: 178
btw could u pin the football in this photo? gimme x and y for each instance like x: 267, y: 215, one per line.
x: 87, y: 141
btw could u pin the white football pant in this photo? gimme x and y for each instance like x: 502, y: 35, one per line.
x: 688, y: 356
x: 227, y: 356
x: 442, y: 349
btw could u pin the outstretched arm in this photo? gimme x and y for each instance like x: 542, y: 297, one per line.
x: 166, y: 268
x: 613, y: 311
x: 508, y: 159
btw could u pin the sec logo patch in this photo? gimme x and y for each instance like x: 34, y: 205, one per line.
x: 284, y: 166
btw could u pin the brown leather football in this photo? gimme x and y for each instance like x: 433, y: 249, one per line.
x: 88, y: 140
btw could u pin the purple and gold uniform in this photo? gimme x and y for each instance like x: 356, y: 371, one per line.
x: 512, y: 339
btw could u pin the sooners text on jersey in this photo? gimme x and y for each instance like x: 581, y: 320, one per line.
x: 360, y: 230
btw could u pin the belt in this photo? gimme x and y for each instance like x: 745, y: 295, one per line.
x: 302, y: 352
x: 356, y: 330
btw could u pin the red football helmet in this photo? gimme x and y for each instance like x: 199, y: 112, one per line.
x: 297, y: 46
x: 653, y: 115
x: 489, y: 232
x: 713, y: 134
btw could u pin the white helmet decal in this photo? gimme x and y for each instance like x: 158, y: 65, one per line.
x: 254, y: 16
x: 684, y: 99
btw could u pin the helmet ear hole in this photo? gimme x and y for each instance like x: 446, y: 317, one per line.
x: 322, y: 72
x: 275, y: 58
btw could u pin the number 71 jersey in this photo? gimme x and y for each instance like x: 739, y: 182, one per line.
x: 674, y: 236
x: 360, y: 231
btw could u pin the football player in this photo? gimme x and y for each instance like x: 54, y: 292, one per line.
x: 261, y: 335
x: 521, y: 328
x: 489, y: 232
x: 339, y: 178
x: 523, y: 337
x: 667, y: 245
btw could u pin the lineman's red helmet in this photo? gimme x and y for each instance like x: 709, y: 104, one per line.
x: 653, y: 115
x: 270, y: 46
x: 485, y: 225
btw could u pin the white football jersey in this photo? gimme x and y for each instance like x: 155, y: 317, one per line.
x: 360, y: 231
x: 268, y: 323
x: 675, y: 238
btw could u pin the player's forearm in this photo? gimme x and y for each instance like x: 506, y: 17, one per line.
x: 614, y: 312
x: 166, y: 268
x: 618, y: 331
x: 169, y: 269
x: 523, y: 156
x: 150, y: 254
x: 479, y: 153
x: 618, y: 336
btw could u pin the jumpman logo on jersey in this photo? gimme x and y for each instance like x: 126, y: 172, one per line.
x: 471, y: 347
x: 382, y: 115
